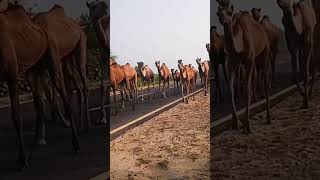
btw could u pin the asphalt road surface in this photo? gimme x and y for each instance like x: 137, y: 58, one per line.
x: 56, y: 160
x: 283, y: 80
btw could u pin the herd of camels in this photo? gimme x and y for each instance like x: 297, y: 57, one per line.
x: 125, y: 77
x: 32, y: 45
x: 250, y: 43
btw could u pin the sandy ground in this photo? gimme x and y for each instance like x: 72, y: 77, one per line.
x: 173, y: 145
x: 287, y: 149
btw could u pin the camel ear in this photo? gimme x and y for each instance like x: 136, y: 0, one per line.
x: 88, y: 5
x: 231, y: 7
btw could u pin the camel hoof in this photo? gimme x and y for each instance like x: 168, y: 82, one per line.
x: 23, y: 165
x: 75, y: 147
x: 41, y: 142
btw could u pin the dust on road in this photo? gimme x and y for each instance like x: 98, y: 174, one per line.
x: 173, y: 145
x: 289, y: 148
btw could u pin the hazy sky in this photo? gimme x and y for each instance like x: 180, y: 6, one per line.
x: 165, y: 30
x: 268, y: 7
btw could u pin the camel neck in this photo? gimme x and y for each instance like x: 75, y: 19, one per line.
x: 230, y: 38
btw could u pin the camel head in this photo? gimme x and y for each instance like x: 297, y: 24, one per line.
x: 208, y: 47
x: 180, y: 64
x: 285, y: 4
x: 190, y: 65
x: 198, y: 60
x: 157, y: 63
x: 140, y: 64
x: 223, y: 3
x: 97, y: 9
x: 256, y: 13
x: 225, y: 14
x: 172, y: 72
x: 112, y: 61
x: 3, y: 5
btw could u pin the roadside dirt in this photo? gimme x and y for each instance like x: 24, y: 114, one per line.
x: 289, y: 148
x: 173, y: 145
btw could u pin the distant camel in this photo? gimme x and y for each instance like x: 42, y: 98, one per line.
x: 205, y: 69
x: 187, y: 80
x: 247, y: 43
x: 218, y: 57
x: 132, y: 75
x: 195, y: 73
x: 164, y: 77
x: 119, y: 77
x: 176, y: 79
x: 32, y: 51
x: 299, y: 21
x: 101, y: 22
x: 147, y: 76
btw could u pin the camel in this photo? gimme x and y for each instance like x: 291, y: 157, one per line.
x: 299, y: 21
x: 218, y: 57
x: 187, y: 80
x: 18, y: 31
x: 205, y: 69
x: 164, y: 77
x: 119, y: 77
x: 247, y: 43
x: 100, y: 19
x: 132, y: 76
x: 147, y: 76
x: 72, y: 50
x: 274, y: 34
x: 176, y: 79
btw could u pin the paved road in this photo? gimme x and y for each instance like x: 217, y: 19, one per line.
x: 283, y: 80
x: 55, y: 160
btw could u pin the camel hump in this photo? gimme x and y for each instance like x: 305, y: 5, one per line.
x: 57, y: 10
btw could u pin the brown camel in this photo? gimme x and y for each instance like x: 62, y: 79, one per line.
x: 72, y: 50
x: 299, y: 21
x: 147, y: 76
x: 218, y: 57
x: 118, y: 77
x: 205, y: 69
x: 101, y: 22
x: 164, y: 77
x: 187, y: 80
x: 274, y: 34
x: 18, y: 32
x: 176, y: 79
x: 246, y: 42
x: 132, y: 75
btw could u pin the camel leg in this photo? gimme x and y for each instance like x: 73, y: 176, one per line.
x: 15, y: 116
x: 164, y: 89
x: 103, y: 88
x: 193, y: 90
x: 149, y: 90
x: 232, y: 68
x: 142, y: 91
x: 82, y: 56
x: 253, y: 84
x: 114, y: 89
x: 307, y: 53
x: 169, y: 86
x: 247, y: 121
x: 218, y: 85
x: 188, y: 91
x: 183, y: 98
x: 122, y: 98
x: 295, y: 69
x: 266, y: 91
x: 57, y: 76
